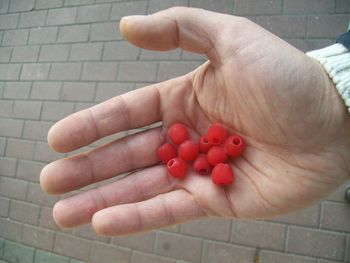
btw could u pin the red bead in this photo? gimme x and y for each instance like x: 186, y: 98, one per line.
x: 201, y: 165
x: 177, y: 168
x: 234, y: 145
x: 188, y: 150
x: 178, y: 133
x: 216, y: 155
x: 204, y: 145
x: 166, y: 152
x: 222, y: 174
x: 216, y: 133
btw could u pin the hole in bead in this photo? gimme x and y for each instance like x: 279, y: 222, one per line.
x: 170, y: 163
x: 236, y: 141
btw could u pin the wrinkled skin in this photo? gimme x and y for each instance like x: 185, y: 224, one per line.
x: 281, y: 101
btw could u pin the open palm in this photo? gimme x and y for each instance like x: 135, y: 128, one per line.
x: 254, y: 83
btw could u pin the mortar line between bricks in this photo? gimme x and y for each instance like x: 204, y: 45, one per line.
x: 320, y: 217
x: 286, y: 238
x: 155, y: 242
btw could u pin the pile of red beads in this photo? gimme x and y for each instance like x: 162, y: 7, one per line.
x: 208, y: 156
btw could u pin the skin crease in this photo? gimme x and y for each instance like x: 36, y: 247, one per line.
x: 283, y: 103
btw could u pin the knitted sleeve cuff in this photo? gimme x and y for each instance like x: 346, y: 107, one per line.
x: 336, y: 61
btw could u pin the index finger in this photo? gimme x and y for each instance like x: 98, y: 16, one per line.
x: 131, y: 110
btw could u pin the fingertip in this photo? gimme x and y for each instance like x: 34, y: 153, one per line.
x: 58, y: 215
x: 53, y: 141
x: 43, y: 179
x: 99, y: 224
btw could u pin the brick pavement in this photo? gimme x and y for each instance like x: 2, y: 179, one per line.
x: 60, y: 56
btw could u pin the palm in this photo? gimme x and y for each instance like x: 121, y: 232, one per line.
x: 262, y: 94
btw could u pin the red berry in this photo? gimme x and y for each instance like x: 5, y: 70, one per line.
x: 178, y: 133
x: 234, y: 145
x: 204, y: 145
x: 166, y: 152
x: 201, y: 164
x: 177, y: 167
x: 188, y: 150
x: 216, y: 155
x: 216, y: 133
x: 222, y: 174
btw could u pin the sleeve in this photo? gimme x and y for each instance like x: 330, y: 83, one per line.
x: 335, y: 59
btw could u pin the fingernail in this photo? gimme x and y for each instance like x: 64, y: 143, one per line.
x: 126, y: 18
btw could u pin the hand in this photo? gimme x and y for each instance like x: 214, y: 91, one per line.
x: 282, y: 102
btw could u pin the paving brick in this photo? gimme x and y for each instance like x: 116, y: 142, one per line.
x: 54, y: 53
x: 46, y: 219
x: 54, y: 111
x: 146, y: 71
x: 61, y: 16
x: 87, y: 232
x: 342, y: 6
x: 65, y: 71
x: 43, y: 153
x: 78, y: 2
x: 16, y: 90
x: 19, y: 148
x: 94, y: 13
x: 327, y: 26
x: 10, y: 229
x: 75, y: 33
x: 253, y: 7
x: 306, y: 217
x: 37, y: 71
x: 280, y: 25
x: 12, y: 188
x: 15, y: 252
x: 176, y: 246
x: 213, y: 228
x: 73, y: 246
x: 307, y: 7
x: 27, y: 109
x: 138, y: 257
x: 156, y: 5
x: 5, y: 53
x: 339, y: 194
x: 25, y: 54
x: 4, y: 209
x: 83, y: 105
x: 43, y: 35
x: 45, y: 4
x: 258, y: 234
x: 2, y: 145
x: 221, y: 6
x: 109, y: 254
x: 47, y: 257
x: 4, y: 5
x: 324, y: 244
x: 335, y: 216
x: 37, y: 196
x: 44, y: 90
x: 86, y: 51
x: 11, y: 128
x: 24, y: 212
x: 347, y: 249
x: 6, y: 108
x: 7, y: 166
x: 29, y: 170
x: 104, y: 71
x: 21, y: 5
x: 32, y: 19
x: 8, y: 21
x: 9, y: 71
x: 15, y: 37
x: 78, y: 91
x: 105, y: 31
x: 36, y: 130
x: 168, y: 70
x: 106, y: 91
x: 38, y: 237
x: 121, y: 50
x: 128, y: 8
x: 328, y: 261
x: 141, y: 242
x: 275, y: 257
x: 225, y: 253
x: 160, y: 55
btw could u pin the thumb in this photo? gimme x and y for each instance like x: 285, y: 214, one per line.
x: 191, y: 29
